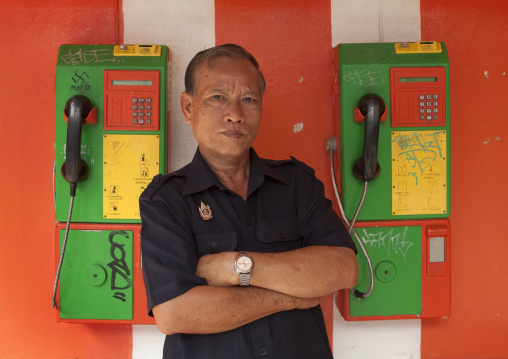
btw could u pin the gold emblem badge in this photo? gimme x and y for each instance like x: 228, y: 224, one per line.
x: 205, y: 212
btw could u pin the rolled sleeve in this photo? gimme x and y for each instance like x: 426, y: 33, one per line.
x: 168, y: 250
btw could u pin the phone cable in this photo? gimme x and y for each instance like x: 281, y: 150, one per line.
x: 64, y: 244
x: 356, y: 292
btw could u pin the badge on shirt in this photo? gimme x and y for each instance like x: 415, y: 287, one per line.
x: 205, y: 212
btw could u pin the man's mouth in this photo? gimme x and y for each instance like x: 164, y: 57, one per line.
x: 232, y: 134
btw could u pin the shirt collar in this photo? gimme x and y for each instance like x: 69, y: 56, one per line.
x: 201, y: 177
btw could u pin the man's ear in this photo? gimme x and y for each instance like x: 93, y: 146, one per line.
x: 185, y: 105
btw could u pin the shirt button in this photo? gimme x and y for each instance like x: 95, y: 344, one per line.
x: 283, y: 235
x: 263, y: 351
x: 248, y: 221
x: 209, y: 250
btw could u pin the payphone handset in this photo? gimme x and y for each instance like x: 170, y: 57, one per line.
x: 78, y: 111
x: 372, y: 108
x: 112, y: 140
x: 394, y: 133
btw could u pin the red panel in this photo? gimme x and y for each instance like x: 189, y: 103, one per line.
x: 128, y: 106
x: 475, y: 35
x: 418, y: 103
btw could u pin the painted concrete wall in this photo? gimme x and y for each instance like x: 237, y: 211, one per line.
x: 293, y: 41
x: 32, y: 31
x: 476, y: 33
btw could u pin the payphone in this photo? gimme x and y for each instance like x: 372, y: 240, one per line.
x: 112, y: 123
x: 393, y: 123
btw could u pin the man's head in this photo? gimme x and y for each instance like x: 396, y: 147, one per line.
x: 207, y: 56
x: 223, y: 102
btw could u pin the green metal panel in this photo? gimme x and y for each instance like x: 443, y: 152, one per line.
x: 363, y: 69
x: 80, y: 71
x: 96, y: 277
x: 396, y: 257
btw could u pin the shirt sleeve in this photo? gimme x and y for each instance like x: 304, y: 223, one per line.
x: 319, y: 223
x: 169, y: 256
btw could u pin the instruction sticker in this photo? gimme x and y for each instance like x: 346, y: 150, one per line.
x: 419, y: 172
x: 130, y: 162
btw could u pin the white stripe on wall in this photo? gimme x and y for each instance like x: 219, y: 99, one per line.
x: 375, y: 21
x: 186, y: 27
x: 381, y: 339
x: 147, y: 342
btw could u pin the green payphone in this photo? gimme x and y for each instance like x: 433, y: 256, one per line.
x: 112, y: 119
x: 393, y: 122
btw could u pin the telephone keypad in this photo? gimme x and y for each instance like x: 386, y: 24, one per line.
x: 428, y: 109
x: 141, y: 111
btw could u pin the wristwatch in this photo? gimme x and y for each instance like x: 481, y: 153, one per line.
x: 244, y: 265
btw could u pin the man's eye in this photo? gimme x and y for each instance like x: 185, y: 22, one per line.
x: 218, y: 97
x: 248, y: 99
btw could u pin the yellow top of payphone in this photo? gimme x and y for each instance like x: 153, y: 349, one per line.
x: 418, y: 47
x: 137, y: 50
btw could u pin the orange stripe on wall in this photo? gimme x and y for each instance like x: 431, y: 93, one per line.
x: 292, y: 42
x: 32, y: 31
x: 476, y: 37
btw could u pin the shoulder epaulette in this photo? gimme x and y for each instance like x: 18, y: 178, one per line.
x: 274, y: 163
x: 293, y: 161
x: 156, y: 184
x: 303, y: 166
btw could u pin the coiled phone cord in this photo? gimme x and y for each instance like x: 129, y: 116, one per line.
x: 356, y: 293
x: 62, y: 252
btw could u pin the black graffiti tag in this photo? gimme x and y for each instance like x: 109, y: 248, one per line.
x: 120, y: 270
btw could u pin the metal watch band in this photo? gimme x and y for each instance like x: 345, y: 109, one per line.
x: 244, y: 277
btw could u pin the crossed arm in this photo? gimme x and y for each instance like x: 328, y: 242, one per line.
x: 280, y: 281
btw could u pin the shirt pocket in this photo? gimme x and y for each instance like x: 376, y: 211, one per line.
x: 211, y: 243
x: 279, y: 235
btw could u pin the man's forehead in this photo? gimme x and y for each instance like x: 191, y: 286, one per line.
x: 228, y: 62
x: 229, y: 67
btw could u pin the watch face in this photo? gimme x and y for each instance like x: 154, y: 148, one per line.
x: 244, y: 264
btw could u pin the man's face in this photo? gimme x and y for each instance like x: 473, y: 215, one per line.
x: 225, y: 111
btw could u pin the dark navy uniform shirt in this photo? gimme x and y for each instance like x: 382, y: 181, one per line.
x: 285, y: 209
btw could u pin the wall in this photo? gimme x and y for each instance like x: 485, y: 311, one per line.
x: 31, y: 33
x: 292, y: 40
x: 475, y: 33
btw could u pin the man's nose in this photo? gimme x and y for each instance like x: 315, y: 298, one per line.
x: 234, y: 111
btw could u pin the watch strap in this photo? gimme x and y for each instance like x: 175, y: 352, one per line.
x: 244, y: 277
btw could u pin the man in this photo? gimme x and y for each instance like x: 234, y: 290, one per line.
x: 238, y: 250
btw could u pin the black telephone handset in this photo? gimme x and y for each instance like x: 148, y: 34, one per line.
x: 78, y: 111
x: 366, y: 168
x: 372, y: 107
x: 75, y: 169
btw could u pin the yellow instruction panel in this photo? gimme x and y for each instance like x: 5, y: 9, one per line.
x: 130, y: 162
x: 419, y: 172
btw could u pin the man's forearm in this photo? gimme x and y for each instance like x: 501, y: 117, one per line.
x: 306, y: 272
x: 212, y: 309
